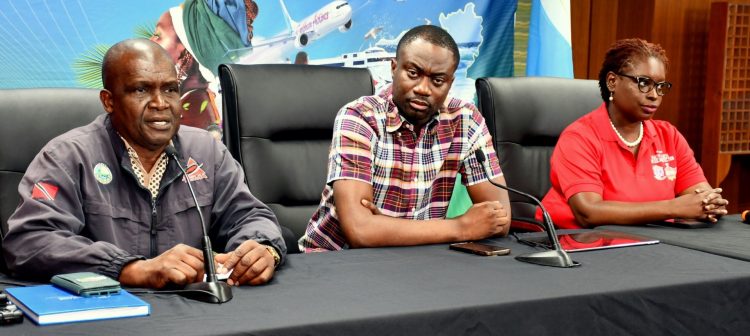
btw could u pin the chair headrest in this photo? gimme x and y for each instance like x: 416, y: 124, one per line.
x: 535, y: 110
x: 32, y: 117
x: 286, y: 97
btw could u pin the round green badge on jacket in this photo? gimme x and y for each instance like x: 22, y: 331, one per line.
x: 102, y: 173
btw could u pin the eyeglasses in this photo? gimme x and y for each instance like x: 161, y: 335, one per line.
x: 646, y: 84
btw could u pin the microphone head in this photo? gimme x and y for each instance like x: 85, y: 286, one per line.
x: 479, y: 154
x: 170, y: 150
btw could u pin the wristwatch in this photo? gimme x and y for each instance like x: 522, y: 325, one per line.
x: 274, y: 254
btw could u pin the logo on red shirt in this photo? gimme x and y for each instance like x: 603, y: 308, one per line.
x: 662, y: 169
x: 194, y: 171
x: 44, y: 191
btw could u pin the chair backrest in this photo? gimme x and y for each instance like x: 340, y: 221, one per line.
x: 278, y: 123
x: 525, y: 116
x: 29, y: 119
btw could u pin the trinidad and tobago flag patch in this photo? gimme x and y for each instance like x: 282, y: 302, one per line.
x: 44, y: 191
x: 194, y: 171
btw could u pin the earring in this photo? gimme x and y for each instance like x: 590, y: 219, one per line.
x: 611, y: 96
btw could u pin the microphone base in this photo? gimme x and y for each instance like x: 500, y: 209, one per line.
x: 554, y: 258
x: 210, y: 292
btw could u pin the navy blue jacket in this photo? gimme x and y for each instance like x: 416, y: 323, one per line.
x: 82, y: 208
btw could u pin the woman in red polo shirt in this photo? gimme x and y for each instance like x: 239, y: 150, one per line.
x: 616, y: 165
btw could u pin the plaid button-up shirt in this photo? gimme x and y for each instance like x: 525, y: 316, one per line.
x: 412, y: 175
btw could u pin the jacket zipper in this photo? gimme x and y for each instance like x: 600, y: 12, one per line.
x: 154, y: 222
x: 153, y: 228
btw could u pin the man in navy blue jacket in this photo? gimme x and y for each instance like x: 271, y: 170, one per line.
x: 106, y: 198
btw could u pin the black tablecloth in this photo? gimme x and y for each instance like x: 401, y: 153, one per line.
x: 729, y: 237
x: 644, y: 290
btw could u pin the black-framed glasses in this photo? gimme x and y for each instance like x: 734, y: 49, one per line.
x: 646, y: 84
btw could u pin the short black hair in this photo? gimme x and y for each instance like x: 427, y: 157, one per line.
x: 433, y: 34
x: 624, y: 53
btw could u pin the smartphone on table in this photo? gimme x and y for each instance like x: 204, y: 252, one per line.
x: 480, y: 249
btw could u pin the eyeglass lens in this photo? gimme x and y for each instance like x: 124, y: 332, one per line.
x: 646, y: 84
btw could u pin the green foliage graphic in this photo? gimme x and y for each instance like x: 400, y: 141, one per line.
x: 88, y: 66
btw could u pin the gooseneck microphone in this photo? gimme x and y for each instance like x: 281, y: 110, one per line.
x: 556, y: 257
x: 212, y: 290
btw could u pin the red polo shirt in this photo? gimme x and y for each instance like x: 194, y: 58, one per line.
x: 589, y: 157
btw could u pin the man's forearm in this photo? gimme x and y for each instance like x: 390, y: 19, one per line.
x: 369, y: 230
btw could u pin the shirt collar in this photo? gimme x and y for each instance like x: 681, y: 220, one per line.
x: 602, y: 122
x: 118, y: 145
x: 135, y: 160
x: 132, y: 150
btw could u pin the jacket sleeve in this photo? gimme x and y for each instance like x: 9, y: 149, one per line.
x: 236, y: 214
x: 45, y: 233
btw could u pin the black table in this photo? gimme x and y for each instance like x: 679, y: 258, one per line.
x: 646, y: 290
x: 729, y: 237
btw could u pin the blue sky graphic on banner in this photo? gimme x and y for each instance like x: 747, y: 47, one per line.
x: 56, y: 43
x: 549, y: 52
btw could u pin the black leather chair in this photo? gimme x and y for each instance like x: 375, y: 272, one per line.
x: 278, y: 123
x: 29, y: 118
x: 525, y: 116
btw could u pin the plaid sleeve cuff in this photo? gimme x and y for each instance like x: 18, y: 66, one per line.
x: 474, y: 172
x: 351, y: 155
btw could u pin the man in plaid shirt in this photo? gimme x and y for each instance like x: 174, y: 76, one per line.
x: 395, y: 156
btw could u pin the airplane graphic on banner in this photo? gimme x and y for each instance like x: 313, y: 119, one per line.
x: 335, y: 15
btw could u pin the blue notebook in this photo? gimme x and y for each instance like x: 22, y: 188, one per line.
x: 47, y: 304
